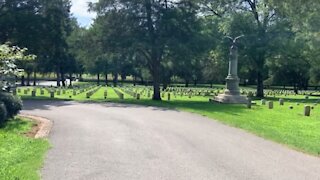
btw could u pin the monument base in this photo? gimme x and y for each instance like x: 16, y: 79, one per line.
x: 230, y: 99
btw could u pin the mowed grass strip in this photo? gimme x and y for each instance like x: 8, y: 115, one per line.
x: 20, y: 157
x: 281, y: 124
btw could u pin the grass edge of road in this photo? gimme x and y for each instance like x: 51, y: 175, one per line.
x: 21, y: 157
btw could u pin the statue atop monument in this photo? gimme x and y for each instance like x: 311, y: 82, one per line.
x: 234, y: 40
x: 234, y: 48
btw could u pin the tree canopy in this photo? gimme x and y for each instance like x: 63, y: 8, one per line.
x: 166, y: 41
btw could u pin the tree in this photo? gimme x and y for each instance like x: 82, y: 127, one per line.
x: 304, y: 15
x: 147, y: 26
x: 57, y: 25
x: 22, y: 24
x: 260, y: 22
x: 8, y: 61
x: 215, y: 67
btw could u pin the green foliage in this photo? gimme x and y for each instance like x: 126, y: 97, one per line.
x: 291, y: 66
x: 43, y: 27
x: 13, y: 104
x: 9, y: 106
x: 9, y: 56
x: 160, y: 31
x: 159, y: 41
x: 3, y: 114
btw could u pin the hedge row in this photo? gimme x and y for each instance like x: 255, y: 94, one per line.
x: 10, y: 106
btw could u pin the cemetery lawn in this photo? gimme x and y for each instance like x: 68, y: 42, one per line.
x: 281, y: 124
x: 20, y: 157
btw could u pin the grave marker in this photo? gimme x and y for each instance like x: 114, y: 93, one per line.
x: 270, y: 104
x: 281, y: 102
x: 249, y: 103
x: 307, y: 110
x: 33, y: 93
x: 14, y: 92
x: 52, y: 94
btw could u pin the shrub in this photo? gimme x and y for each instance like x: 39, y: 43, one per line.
x: 3, y: 113
x: 12, y: 103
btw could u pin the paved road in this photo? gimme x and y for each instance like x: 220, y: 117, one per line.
x: 111, y: 141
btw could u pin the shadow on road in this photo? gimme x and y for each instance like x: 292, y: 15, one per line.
x: 48, y: 104
x: 44, y: 104
x: 197, y: 106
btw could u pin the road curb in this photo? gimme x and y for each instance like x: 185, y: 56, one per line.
x: 45, y: 125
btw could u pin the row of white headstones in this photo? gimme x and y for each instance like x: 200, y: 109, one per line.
x: 270, y: 104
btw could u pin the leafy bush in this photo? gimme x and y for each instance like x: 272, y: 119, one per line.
x: 3, y: 113
x: 12, y: 103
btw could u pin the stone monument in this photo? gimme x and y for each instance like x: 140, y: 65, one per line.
x: 232, y: 93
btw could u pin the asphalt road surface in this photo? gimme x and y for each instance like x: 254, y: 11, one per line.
x: 112, y: 141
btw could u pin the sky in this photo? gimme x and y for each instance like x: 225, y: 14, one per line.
x: 79, y: 10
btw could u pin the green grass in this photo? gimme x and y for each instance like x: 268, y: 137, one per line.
x: 20, y: 157
x: 281, y: 124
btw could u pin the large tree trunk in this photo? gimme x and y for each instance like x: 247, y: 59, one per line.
x: 260, y: 93
x: 98, y: 78
x: 156, y: 80
x: 187, y: 83
x: 155, y: 55
x: 70, y: 76
x: 63, y: 79
x: 156, y: 88
x: 115, y: 79
x: 34, y: 78
x: 58, y: 79
x: 23, y: 80
x: 295, y: 88
x: 134, y: 80
x: 123, y: 78
x: 28, y: 79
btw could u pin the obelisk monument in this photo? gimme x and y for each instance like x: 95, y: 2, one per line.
x: 232, y: 93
